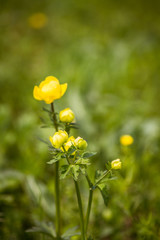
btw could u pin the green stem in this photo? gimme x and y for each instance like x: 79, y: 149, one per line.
x: 79, y: 202
x: 88, y: 209
x: 80, y: 210
x: 89, y: 202
x: 54, y: 117
x: 104, y: 175
x: 57, y: 201
x: 57, y: 191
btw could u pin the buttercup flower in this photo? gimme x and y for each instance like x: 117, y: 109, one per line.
x: 126, y: 140
x: 69, y: 143
x: 37, y: 20
x: 66, y: 115
x: 116, y: 164
x: 49, y: 90
x: 59, y: 138
x: 80, y: 143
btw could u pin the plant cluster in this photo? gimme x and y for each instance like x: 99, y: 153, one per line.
x: 65, y: 147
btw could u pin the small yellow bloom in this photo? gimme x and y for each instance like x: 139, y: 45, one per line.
x: 59, y: 138
x: 37, y: 20
x: 80, y: 143
x: 116, y: 164
x: 126, y: 140
x: 70, y: 142
x: 49, y: 90
x: 66, y: 115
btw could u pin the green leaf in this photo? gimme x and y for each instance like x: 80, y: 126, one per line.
x: 53, y: 161
x: 75, y: 171
x: 83, y: 169
x: 104, y: 192
x: 99, y: 174
x: 88, y: 154
x: 64, y: 171
x: 70, y: 233
x: 83, y: 161
x: 71, y: 150
x: 40, y: 196
x: 45, y: 228
x: 57, y: 156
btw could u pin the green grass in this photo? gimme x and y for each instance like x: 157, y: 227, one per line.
x: 109, y: 54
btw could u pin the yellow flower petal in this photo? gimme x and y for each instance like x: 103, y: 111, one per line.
x: 49, y: 100
x: 50, y: 139
x: 63, y: 88
x: 36, y: 93
x: 50, y: 89
x: 51, y: 78
x: 126, y: 140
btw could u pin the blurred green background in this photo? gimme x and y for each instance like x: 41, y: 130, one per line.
x: 109, y: 54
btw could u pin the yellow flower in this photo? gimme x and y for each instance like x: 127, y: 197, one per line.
x: 49, y: 90
x: 69, y: 143
x: 66, y: 115
x: 37, y: 20
x: 80, y: 143
x: 59, y: 138
x: 116, y: 164
x: 126, y: 140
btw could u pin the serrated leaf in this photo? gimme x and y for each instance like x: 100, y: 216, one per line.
x: 64, y: 171
x: 52, y: 149
x: 57, y: 157
x: 40, y: 196
x: 83, y: 161
x: 70, y: 233
x: 53, y: 161
x: 104, y: 192
x: 83, y: 169
x: 75, y: 171
x: 88, y: 154
x: 42, y: 227
x: 108, y: 179
x: 71, y: 150
x: 99, y: 174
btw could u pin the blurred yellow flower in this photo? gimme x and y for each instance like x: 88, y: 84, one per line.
x: 66, y: 115
x: 69, y: 143
x: 49, y: 90
x: 80, y: 143
x: 59, y: 138
x: 37, y: 20
x: 116, y: 164
x: 126, y: 140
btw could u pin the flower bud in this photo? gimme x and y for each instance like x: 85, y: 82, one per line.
x: 126, y: 140
x: 69, y: 143
x: 66, y: 115
x: 81, y: 143
x: 116, y: 164
x: 59, y: 138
